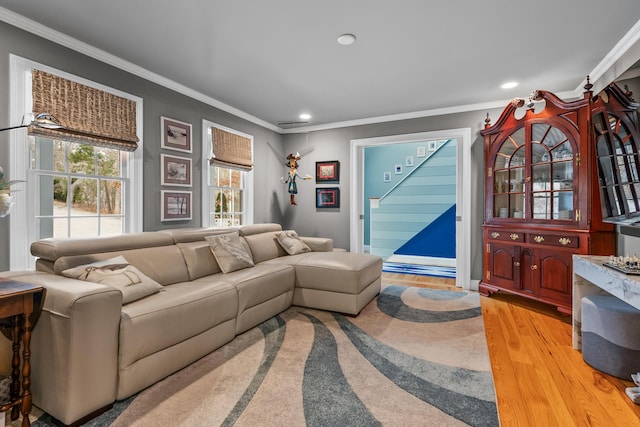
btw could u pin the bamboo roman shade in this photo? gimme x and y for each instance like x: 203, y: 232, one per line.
x: 89, y: 116
x: 231, y: 150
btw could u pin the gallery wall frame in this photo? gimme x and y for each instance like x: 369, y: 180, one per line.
x: 386, y: 177
x: 408, y: 161
x: 176, y: 135
x: 328, y: 171
x: 328, y: 197
x: 175, y: 205
x: 175, y: 170
x: 398, y: 169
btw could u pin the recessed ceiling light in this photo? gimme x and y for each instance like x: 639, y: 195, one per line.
x: 346, y: 39
x: 305, y: 116
x: 509, y: 85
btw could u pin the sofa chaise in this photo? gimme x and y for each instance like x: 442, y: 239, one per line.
x: 89, y: 349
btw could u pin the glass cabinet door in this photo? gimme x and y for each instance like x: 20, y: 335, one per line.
x: 548, y: 166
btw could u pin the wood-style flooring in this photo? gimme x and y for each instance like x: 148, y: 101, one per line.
x: 540, y: 379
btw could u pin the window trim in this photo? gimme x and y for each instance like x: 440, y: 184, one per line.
x: 22, y: 228
x: 207, y: 148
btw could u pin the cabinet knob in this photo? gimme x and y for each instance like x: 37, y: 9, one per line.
x: 516, y: 264
x: 534, y: 267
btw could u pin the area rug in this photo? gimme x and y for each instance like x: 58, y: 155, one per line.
x: 412, y: 357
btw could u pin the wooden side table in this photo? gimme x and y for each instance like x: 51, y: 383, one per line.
x: 20, y: 307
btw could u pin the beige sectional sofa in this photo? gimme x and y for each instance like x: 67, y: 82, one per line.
x: 90, y: 350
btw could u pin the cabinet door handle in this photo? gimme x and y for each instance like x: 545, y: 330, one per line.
x: 564, y: 241
x: 517, y: 263
x: 514, y: 236
x: 534, y: 267
x: 495, y: 235
x: 538, y: 239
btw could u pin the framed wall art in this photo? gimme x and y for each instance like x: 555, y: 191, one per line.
x: 421, y: 151
x: 408, y: 161
x: 328, y: 171
x: 398, y: 169
x: 328, y: 197
x: 386, y: 177
x: 175, y: 170
x: 176, y: 135
x: 176, y: 205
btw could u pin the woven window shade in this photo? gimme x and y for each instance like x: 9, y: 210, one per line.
x: 231, y: 150
x: 89, y: 116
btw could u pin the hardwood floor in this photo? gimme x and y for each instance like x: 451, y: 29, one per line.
x: 540, y: 379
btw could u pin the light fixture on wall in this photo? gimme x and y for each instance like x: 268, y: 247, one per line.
x: 43, y: 120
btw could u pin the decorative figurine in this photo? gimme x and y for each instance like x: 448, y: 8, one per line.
x: 292, y: 163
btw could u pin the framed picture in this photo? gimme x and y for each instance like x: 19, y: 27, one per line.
x: 432, y: 146
x: 176, y: 135
x: 386, y: 177
x: 328, y: 171
x: 328, y: 197
x: 175, y: 170
x: 176, y: 205
x: 398, y: 169
x: 408, y: 161
x: 421, y: 152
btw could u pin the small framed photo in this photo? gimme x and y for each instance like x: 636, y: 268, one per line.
x: 432, y: 146
x: 386, y: 177
x: 328, y: 197
x: 176, y: 205
x: 408, y: 161
x: 176, y: 135
x: 398, y: 169
x: 421, y: 152
x: 176, y: 170
x: 328, y: 171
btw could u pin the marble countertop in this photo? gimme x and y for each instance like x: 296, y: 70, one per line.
x: 624, y: 286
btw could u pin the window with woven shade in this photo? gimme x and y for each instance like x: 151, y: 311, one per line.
x: 88, y: 115
x: 231, y: 150
x: 85, y: 179
x: 227, y: 185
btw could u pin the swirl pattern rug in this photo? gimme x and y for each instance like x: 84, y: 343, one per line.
x: 413, y: 357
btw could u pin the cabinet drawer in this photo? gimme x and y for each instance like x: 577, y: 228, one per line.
x: 505, y: 236
x: 560, y: 240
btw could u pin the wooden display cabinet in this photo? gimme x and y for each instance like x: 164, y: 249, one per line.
x: 542, y: 195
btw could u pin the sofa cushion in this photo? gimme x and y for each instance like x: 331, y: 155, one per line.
x: 182, y: 311
x: 199, y: 259
x: 291, y: 242
x: 265, y: 246
x: 229, y: 252
x: 118, y: 273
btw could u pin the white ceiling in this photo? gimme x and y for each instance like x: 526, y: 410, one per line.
x: 269, y: 61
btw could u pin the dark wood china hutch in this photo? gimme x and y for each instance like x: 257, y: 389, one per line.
x: 555, y: 173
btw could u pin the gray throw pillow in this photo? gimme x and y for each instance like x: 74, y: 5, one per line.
x: 291, y: 242
x: 229, y: 252
x: 118, y: 273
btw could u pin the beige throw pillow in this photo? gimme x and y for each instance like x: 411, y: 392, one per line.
x: 229, y: 252
x: 291, y: 242
x: 118, y: 273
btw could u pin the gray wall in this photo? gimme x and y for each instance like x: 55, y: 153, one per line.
x: 334, y: 144
x: 157, y: 101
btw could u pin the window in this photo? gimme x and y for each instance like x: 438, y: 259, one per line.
x: 79, y: 189
x: 74, y: 187
x: 226, y: 198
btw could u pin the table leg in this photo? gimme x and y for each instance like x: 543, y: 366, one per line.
x: 15, y: 367
x: 26, y: 371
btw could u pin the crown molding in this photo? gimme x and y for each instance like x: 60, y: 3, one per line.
x: 62, y: 39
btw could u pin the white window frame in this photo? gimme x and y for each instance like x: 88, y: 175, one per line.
x: 207, y: 149
x: 22, y: 226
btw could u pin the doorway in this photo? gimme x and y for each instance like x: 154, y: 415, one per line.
x: 463, y: 185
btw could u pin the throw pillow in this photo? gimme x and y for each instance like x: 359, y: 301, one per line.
x: 291, y: 242
x: 118, y: 273
x: 229, y: 252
